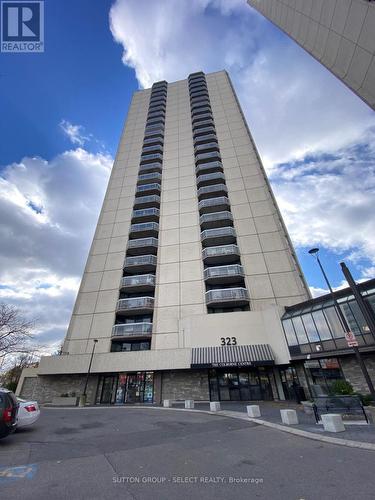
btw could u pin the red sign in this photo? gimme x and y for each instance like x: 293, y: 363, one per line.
x: 351, y: 340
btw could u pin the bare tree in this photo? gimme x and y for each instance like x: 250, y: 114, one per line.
x: 10, y: 378
x: 15, y: 332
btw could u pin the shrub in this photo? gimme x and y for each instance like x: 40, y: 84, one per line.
x: 341, y: 388
x: 366, y: 399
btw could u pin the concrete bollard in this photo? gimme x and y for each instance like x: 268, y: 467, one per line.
x: 167, y: 403
x: 189, y: 404
x: 332, y: 423
x: 215, y: 406
x: 289, y: 417
x: 253, y: 411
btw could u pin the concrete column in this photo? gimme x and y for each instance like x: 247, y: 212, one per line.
x: 289, y: 417
x: 189, y: 404
x: 253, y: 411
x: 332, y: 423
x: 167, y: 403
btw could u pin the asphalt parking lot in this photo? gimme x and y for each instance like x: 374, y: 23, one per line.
x: 135, y: 453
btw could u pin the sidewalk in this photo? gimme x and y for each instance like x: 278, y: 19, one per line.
x: 270, y: 412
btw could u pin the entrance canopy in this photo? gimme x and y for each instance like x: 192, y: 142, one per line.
x: 237, y: 355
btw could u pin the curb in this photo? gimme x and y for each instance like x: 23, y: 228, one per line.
x: 228, y: 414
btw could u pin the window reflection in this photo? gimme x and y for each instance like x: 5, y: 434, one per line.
x: 310, y: 328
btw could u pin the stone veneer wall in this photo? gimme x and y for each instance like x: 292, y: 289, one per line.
x: 353, y: 373
x: 46, y: 387
x: 185, y: 384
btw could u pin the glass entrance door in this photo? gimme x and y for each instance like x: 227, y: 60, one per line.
x: 240, y: 385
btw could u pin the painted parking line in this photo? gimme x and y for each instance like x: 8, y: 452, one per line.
x: 8, y: 474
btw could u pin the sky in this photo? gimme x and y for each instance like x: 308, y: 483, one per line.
x: 62, y: 112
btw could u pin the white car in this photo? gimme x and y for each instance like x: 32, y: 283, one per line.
x: 28, y: 412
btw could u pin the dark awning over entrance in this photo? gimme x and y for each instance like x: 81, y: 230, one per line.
x: 238, y: 355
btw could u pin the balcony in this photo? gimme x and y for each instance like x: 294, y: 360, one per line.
x: 201, y: 111
x: 204, y: 131
x: 207, y: 168
x: 157, y: 101
x: 150, y: 158
x: 151, y: 122
x: 157, y: 107
x: 127, y: 330
x: 196, y: 121
x: 146, y: 178
x: 223, y: 254
x: 213, y: 205
x: 208, y: 147
x: 224, y: 274
x: 221, y: 235
x: 197, y: 87
x: 154, y: 115
x: 144, y: 230
x: 153, y: 188
x: 203, y: 157
x: 146, y: 215
x: 154, y: 140
x: 142, y: 246
x: 140, y: 264
x: 150, y: 167
x: 162, y: 92
x: 231, y: 297
x: 203, y: 124
x: 135, y: 305
x: 199, y: 93
x: 138, y: 283
x: 210, y: 179
x: 212, y: 191
x: 199, y: 102
x: 147, y: 201
x: 216, y: 219
x: 156, y: 148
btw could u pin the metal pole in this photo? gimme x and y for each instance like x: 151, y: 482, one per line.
x: 346, y: 328
x: 88, y: 372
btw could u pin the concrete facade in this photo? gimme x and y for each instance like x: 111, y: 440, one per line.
x: 180, y: 320
x: 338, y: 33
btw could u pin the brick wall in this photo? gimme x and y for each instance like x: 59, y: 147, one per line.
x: 192, y: 384
x: 353, y: 373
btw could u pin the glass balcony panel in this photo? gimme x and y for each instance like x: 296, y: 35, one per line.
x: 207, y: 148
x: 203, y: 157
x: 141, y: 263
x: 153, y: 140
x: 132, y: 330
x: 146, y: 215
x: 212, y: 191
x: 224, y: 274
x: 223, y: 254
x: 157, y: 148
x: 147, y: 201
x: 203, y: 139
x: 202, y: 118
x: 201, y: 111
x: 145, y: 178
x: 199, y: 102
x: 150, y: 158
x: 210, y: 179
x: 150, y: 167
x: 213, y: 205
x: 203, y: 124
x: 216, y: 220
x: 204, y: 131
x: 144, y: 227
x: 227, y: 296
x: 153, y: 188
x: 140, y: 246
x: 141, y: 282
x: 224, y: 235
x: 135, y: 305
x: 210, y: 167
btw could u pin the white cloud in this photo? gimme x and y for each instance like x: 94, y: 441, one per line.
x: 74, y: 132
x: 45, y: 242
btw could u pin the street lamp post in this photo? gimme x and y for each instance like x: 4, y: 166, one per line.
x: 82, y: 399
x: 315, y: 253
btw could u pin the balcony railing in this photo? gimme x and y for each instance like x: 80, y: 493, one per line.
x: 152, y: 188
x: 204, y: 131
x: 227, y: 296
x: 199, y: 102
x: 210, y: 179
x: 157, y: 148
x: 151, y: 167
x: 201, y: 111
x: 157, y: 107
x: 203, y: 157
x: 212, y: 191
x: 222, y: 254
x: 206, y: 148
x: 216, y: 219
x: 204, y: 139
x: 150, y: 158
x: 224, y: 235
x: 135, y: 305
x: 224, y: 274
x: 144, y: 229
x: 147, y: 201
x: 145, y: 178
x: 203, y: 124
x: 154, y: 140
x: 144, y: 282
x: 212, y: 166
x: 141, y: 246
x: 132, y: 330
x: 141, y: 263
x: 213, y: 205
x: 151, y: 214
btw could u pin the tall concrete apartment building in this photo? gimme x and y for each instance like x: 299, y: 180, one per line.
x: 338, y: 33
x: 190, y: 267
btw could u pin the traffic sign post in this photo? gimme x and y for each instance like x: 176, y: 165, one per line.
x: 350, y: 339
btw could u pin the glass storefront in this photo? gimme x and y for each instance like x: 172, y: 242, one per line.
x: 125, y: 388
x: 239, y: 384
x: 322, y: 373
